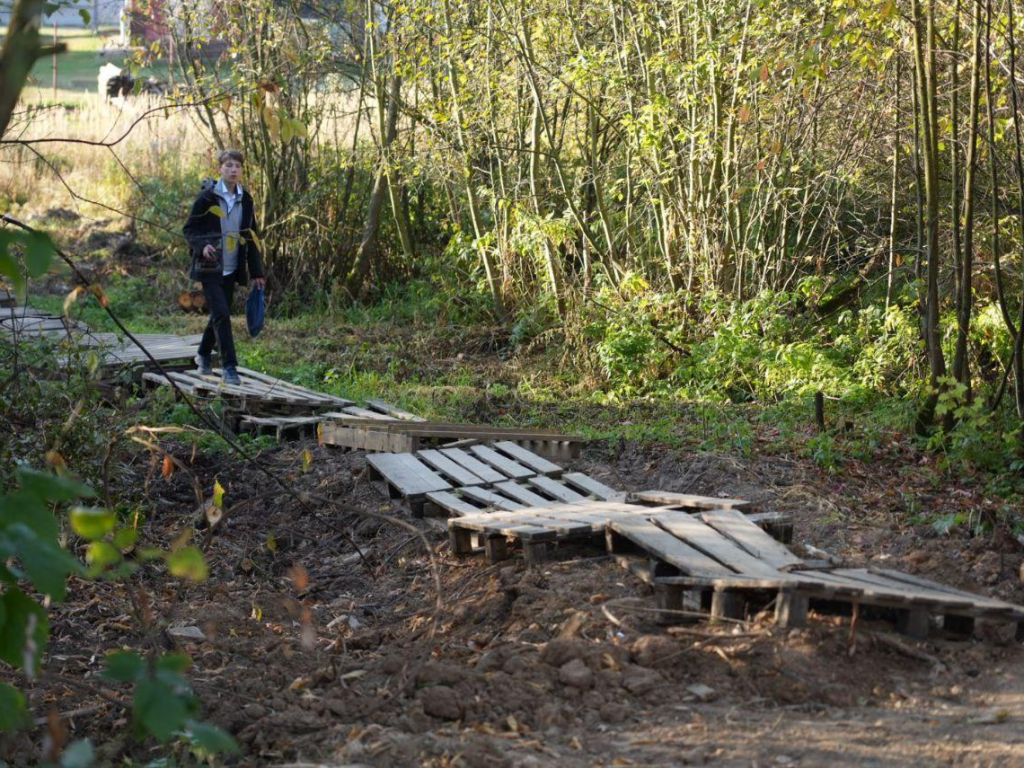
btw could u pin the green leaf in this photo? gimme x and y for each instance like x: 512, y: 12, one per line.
x: 38, y: 253
x: 102, y: 554
x: 188, y: 563
x: 50, y: 487
x: 45, y: 562
x: 125, y: 537
x: 86, y: 19
x: 92, y: 523
x: 13, y: 709
x: 79, y: 754
x: 17, y: 644
x: 26, y: 508
x: 174, y: 662
x: 217, y: 211
x: 158, y: 710
x: 209, y: 738
x: 123, y: 666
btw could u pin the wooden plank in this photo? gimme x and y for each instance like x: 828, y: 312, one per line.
x: 862, y: 574
x: 452, y: 503
x: 390, y: 410
x: 894, y: 595
x: 526, y: 496
x: 589, y: 485
x: 550, y: 521
x: 753, y: 539
x: 490, y: 498
x: 929, y: 584
x: 410, y: 476
x: 454, y: 431
x: 509, y: 527
x: 555, y: 489
x: 333, y: 400
x: 354, y: 410
x: 454, y: 472
x: 357, y: 438
x: 462, y: 458
x: 538, y: 464
x: 689, y: 501
x: 712, y: 543
x: 505, y: 465
x: 667, y: 547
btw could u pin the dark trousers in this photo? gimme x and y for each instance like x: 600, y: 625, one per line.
x: 218, y: 298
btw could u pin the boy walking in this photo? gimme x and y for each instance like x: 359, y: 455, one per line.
x: 220, y: 231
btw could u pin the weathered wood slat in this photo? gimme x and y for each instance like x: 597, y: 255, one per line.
x: 919, y: 581
x: 589, y: 485
x: 508, y: 527
x: 411, y: 477
x: 487, y: 473
x: 555, y: 489
x: 667, y: 547
x: 689, y: 501
x: 503, y: 464
x: 390, y: 410
x: 550, y: 521
x: 363, y: 413
x: 526, y: 496
x: 454, y: 472
x: 450, y: 502
x: 923, y: 593
x: 736, y: 526
x: 712, y: 543
x: 490, y: 498
x: 538, y: 464
x: 869, y: 590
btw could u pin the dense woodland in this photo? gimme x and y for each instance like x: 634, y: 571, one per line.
x: 688, y: 204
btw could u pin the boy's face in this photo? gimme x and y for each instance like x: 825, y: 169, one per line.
x: 231, y: 171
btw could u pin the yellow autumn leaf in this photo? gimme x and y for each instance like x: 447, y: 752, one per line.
x: 217, y: 211
x: 218, y: 493
x: 72, y: 297
x: 307, y: 460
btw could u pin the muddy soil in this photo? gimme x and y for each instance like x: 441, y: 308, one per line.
x: 313, y: 653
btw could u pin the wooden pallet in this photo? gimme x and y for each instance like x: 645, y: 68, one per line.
x: 480, y: 477
x: 257, y: 394
x: 281, y: 427
x: 371, y: 433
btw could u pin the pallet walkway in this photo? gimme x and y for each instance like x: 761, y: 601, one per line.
x: 725, y: 563
x: 256, y: 394
x: 19, y: 324
x: 467, y: 481
x: 368, y: 432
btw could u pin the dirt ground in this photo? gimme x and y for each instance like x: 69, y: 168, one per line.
x: 313, y: 654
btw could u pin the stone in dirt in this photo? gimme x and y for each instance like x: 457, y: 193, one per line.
x: 442, y: 702
x: 656, y: 651
x: 576, y: 674
x: 640, y: 680
x: 702, y: 692
x: 194, y: 634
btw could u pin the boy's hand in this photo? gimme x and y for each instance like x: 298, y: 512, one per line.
x: 209, y: 253
x: 259, y: 282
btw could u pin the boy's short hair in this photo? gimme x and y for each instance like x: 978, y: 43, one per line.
x: 230, y: 154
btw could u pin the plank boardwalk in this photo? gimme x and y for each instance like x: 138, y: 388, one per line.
x: 503, y: 464
x: 555, y: 489
x: 410, y: 477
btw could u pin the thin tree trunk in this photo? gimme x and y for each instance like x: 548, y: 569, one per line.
x: 961, y: 366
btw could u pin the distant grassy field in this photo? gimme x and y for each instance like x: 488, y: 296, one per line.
x: 78, y: 68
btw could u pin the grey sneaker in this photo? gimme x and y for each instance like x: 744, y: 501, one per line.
x: 231, y: 376
x: 205, y: 365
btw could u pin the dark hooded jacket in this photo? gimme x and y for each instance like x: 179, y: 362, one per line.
x: 202, y: 228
